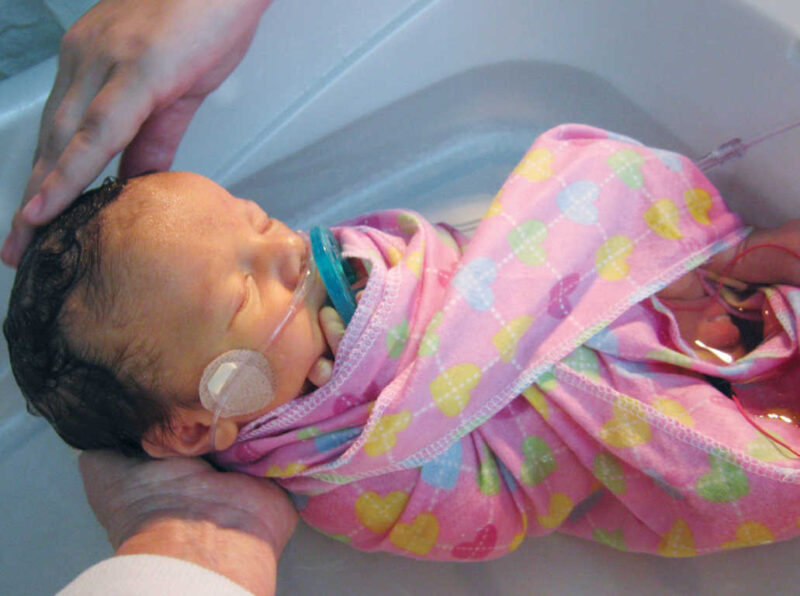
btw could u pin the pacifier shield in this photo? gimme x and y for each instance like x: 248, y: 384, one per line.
x: 237, y: 382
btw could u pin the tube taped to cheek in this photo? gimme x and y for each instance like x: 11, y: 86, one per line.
x: 237, y: 382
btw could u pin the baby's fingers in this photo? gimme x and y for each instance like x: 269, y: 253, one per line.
x: 321, y: 372
x: 332, y: 327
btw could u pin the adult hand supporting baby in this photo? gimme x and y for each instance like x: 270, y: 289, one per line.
x: 131, y: 75
x: 231, y: 523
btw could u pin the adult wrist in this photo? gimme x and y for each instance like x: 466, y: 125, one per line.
x: 244, y: 557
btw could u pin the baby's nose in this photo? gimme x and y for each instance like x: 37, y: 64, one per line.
x: 285, y: 257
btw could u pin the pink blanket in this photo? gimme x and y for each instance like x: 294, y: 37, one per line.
x: 533, y: 383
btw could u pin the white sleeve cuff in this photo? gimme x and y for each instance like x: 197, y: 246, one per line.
x: 134, y: 575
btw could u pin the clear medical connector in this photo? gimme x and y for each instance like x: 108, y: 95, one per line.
x: 239, y: 382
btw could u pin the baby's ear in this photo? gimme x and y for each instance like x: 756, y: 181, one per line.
x: 190, y: 435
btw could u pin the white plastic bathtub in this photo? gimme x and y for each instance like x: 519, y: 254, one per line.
x: 348, y: 105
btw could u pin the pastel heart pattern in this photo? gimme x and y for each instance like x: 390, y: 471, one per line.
x: 508, y: 477
x: 480, y: 547
x: 408, y: 223
x: 488, y: 475
x: 514, y: 409
x: 536, y: 165
x: 672, y: 160
x: 577, y: 202
x: 627, y: 165
x: 559, y: 509
x: 393, y: 255
x: 631, y: 369
x: 670, y: 357
x: 443, y: 472
x: 429, y: 344
x: 664, y: 219
x: 604, y: 340
x: 750, y: 534
x: 290, y: 469
x: 558, y: 304
x: 345, y: 402
x: 452, y: 390
x: 674, y: 409
x: 608, y: 470
x: 418, y: 537
x: 678, y: 541
x: 769, y: 451
x: 539, y: 461
x: 794, y: 298
x: 377, y: 513
x: 699, y: 203
x: 520, y: 536
x: 615, y: 539
x: 525, y: 242
x: 383, y: 436
x: 507, y: 339
x: 335, y: 439
x: 414, y: 262
x: 725, y: 482
x: 496, y: 206
x: 308, y: 432
x: 396, y: 339
x: 615, y: 136
x: 474, y: 281
x: 626, y: 428
x: 537, y: 399
x: 583, y: 361
x: 611, y: 258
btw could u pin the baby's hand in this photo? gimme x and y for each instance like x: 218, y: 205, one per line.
x: 333, y: 329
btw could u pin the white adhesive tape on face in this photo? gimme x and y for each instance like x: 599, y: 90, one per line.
x: 237, y: 382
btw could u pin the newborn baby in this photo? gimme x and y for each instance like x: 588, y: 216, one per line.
x: 158, y: 276
x: 120, y: 304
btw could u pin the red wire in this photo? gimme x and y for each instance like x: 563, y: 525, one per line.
x: 768, y: 434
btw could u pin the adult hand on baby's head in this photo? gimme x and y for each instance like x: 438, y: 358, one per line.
x: 231, y: 523
x: 131, y: 75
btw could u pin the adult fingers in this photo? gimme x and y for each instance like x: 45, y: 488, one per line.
x: 16, y: 241
x: 63, y: 116
x: 109, y: 123
x: 64, y: 80
x: 154, y: 146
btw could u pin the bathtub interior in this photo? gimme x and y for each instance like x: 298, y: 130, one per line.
x: 443, y: 148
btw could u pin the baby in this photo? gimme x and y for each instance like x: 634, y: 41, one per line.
x: 121, y: 303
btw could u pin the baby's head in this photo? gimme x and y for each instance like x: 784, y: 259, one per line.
x: 121, y: 302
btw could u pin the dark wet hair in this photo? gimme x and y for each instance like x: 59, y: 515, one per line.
x: 91, y: 401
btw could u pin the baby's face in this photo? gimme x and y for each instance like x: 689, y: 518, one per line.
x: 201, y: 272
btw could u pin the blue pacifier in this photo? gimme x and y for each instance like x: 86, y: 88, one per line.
x: 337, y: 275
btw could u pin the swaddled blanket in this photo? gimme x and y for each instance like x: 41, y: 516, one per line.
x: 534, y: 382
